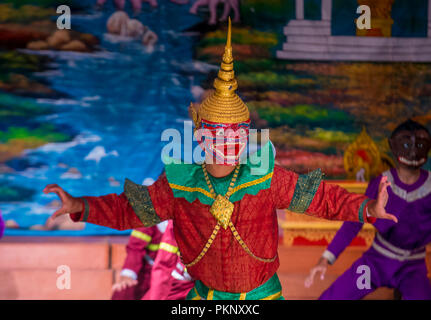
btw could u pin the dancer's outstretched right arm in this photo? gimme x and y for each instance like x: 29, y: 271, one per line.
x: 137, y: 206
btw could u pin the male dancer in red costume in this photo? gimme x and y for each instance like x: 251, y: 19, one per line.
x: 224, y: 210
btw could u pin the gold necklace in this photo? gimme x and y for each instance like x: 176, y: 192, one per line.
x: 221, y: 208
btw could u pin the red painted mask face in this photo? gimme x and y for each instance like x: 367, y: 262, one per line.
x: 224, y: 143
x: 411, y: 148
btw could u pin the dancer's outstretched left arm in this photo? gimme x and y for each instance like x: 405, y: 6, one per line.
x: 311, y: 195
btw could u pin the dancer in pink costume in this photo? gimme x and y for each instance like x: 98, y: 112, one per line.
x: 142, y: 249
x: 169, y: 277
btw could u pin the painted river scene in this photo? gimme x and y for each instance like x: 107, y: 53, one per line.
x: 86, y: 107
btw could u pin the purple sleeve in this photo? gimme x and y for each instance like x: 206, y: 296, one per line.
x: 1, y: 226
x: 349, y: 230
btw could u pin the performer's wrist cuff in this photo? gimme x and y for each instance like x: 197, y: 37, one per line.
x: 328, y: 255
x: 368, y: 217
x: 363, y: 212
x: 129, y: 273
x: 81, y: 216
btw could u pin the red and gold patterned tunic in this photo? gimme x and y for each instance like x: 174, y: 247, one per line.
x: 226, y: 266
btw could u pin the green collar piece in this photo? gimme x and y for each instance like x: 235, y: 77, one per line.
x: 188, y: 181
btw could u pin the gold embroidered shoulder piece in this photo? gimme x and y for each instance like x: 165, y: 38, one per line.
x: 305, y: 189
x: 140, y: 200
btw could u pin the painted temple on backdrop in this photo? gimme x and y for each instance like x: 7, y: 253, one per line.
x: 313, y: 39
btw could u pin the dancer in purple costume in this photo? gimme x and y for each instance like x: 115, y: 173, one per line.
x: 396, y: 258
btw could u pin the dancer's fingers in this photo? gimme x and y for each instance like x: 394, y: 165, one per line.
x: 390, y: 217
x: 58, y: 213
x: 48, y: 187
x: 322, y: 276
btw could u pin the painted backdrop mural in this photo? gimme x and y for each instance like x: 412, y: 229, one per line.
x: 85, y: 108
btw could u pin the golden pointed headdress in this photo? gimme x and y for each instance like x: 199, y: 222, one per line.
x: 224, y: 105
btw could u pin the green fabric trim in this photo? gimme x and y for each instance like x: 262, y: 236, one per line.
x: 86, y: 210
x: 361, y: 210
x: 269, y: 288
x: 305, y: 189
x: 192, y: 176
x: 140, y: 200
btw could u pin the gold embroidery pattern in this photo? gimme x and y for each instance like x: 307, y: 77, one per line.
x: 245, y: 247
x: 274, y: 296
x: 140, y: 200
x: 305, y: 189
x: 198, y: 297
x: 237, y: 188
x: 242, y: 295
x: 190, y: 189
x: 253, y: 183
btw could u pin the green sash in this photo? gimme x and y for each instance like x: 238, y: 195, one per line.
x: 270, y: 290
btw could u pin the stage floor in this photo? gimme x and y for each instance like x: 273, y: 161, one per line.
x: 28, y: 267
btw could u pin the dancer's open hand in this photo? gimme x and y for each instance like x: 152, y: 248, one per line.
x: 69, y: 204
x: 125, y: 282
x: 321, y: 267
x: 376, y: 208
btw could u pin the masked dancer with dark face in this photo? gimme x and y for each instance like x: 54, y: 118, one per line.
x: 397, y: 256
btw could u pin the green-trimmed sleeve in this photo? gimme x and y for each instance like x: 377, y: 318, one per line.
x: 333, y: 202
x: 112, y: 211
x: 310, y: 194
x: 136, y: 207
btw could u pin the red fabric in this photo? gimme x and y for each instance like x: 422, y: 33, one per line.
x: 128, y: 293
x: 163, y: 285
x: 335, y: 203
x: 161, y: 194
x: 112, y: 211
x: 227, y: 266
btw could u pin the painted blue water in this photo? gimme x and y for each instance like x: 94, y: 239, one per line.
x: 119, y: 101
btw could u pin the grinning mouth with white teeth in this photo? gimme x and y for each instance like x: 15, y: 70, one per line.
x: 218, y: 147
x: 411, y: 162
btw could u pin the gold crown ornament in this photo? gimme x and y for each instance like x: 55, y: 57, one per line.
x: 223, y: 105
